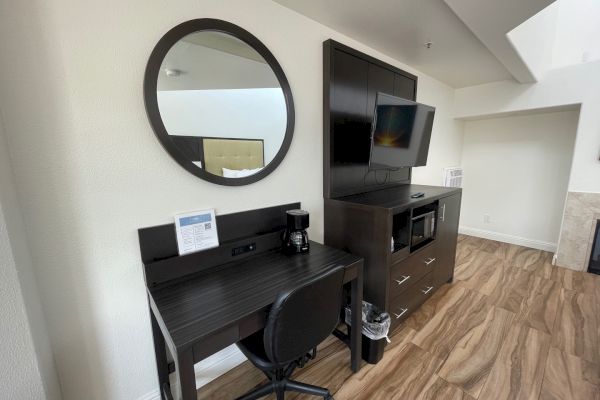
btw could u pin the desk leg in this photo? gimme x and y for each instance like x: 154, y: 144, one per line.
x: 186, y: 376
x: 355, y: 333
x: 160, y: 353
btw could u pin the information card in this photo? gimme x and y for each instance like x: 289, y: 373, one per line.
x: 196, y: 231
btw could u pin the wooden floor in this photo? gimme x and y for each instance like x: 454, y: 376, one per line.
x: 511, y: 326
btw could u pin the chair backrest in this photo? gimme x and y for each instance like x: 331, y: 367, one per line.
x: 303, y: 317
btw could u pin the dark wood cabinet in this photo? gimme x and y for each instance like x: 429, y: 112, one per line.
x: 402, y: 306
x: 370, y: 216
x: 406, y: 272
x: 349, y: 110
x: 351, y: 81
x: 364, y: 230
x: 404, y: 87
x: 447, y: 236
x: 380, y: 80
x: 398, y: 281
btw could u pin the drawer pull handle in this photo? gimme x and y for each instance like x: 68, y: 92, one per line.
x: 429, y: 261
x: 404, y: 279
x: 429, y: 289
x: 404, y: 310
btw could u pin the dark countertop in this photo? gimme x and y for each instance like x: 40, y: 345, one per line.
x: 398, y: 198
x: 201, y: 304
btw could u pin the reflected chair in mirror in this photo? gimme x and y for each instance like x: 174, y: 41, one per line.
x: 299, y: 320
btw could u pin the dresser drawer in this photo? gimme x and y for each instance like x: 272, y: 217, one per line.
x: 408, y: 301
x: 408, y: 271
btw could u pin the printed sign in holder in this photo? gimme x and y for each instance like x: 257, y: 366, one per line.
x: 196, y: 231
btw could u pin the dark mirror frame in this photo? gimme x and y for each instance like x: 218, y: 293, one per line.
x: 151, y: 101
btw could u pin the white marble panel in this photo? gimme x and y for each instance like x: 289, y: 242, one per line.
x: 582, y: 210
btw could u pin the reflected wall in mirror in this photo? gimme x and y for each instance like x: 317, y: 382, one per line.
x: 219, y: 102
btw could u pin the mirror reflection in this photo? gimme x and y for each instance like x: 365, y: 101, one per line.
x: 221, y: 104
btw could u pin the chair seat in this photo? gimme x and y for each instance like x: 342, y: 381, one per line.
x: 253, y: 348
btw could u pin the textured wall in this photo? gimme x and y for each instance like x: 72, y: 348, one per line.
x: 566, y: 86
x: 516, y: 171
x: 20, y: 376
x: 90, y: 172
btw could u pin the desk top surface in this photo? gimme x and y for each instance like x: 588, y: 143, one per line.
x: 199, y: 305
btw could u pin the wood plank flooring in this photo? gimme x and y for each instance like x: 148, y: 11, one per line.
x: 511, y: 326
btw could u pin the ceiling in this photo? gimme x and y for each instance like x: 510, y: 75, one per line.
x: 400, y: 28
x: 224, y: 42
x: 491, y: 20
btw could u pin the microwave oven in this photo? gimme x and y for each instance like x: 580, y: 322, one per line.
x: 423, y: 228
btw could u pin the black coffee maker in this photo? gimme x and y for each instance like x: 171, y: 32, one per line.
x: 295, y: 239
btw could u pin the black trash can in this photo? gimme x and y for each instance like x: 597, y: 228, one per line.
x: 372, y: 350
x: 375, y: 327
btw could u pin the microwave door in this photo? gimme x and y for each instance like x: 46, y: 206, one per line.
x: 417, y: 232
x: 423, y: 228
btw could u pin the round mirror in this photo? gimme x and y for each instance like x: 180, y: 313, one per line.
x: 219, y: 102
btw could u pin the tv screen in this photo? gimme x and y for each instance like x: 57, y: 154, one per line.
x: 400, y: 133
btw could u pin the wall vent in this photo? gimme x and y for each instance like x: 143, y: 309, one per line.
x: 453, y: 177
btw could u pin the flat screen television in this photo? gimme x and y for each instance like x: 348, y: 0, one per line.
x: 400, y: 133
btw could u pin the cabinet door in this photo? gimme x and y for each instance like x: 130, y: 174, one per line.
x: 404, y: 87
x: 447, y: 235
x: 380, y: 80
x: 351, y: 139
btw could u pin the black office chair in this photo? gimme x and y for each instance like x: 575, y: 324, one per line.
x: 299, y: 320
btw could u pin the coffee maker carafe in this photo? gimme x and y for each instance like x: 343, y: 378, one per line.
x: 295, y: 239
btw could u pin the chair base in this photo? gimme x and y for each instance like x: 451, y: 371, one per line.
x: 279, y: 387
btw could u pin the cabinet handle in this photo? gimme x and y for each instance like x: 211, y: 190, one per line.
x: 404, y: 310
x: 429, y: 261
x: 443, y: 216
x: 429, y: 289
x: 404, y: 279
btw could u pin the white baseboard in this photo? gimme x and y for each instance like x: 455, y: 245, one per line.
x: 153, y: 395
x: 503, y: 237
x: 216, y: 365
x: 208, y: 369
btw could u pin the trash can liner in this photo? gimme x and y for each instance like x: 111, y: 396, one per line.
x: 375, y: 323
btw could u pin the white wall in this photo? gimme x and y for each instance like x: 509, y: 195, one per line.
x: 577, y: 32
x: 90, y: 172
x: 534, y: 40
x: 576, y: 84
x: 27, y: 370
x: 19, y: 375
x: 516, y: 171
x: 445, y: 147
x: 565, y: 33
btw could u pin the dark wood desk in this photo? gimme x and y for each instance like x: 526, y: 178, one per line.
x: 196, y: 315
